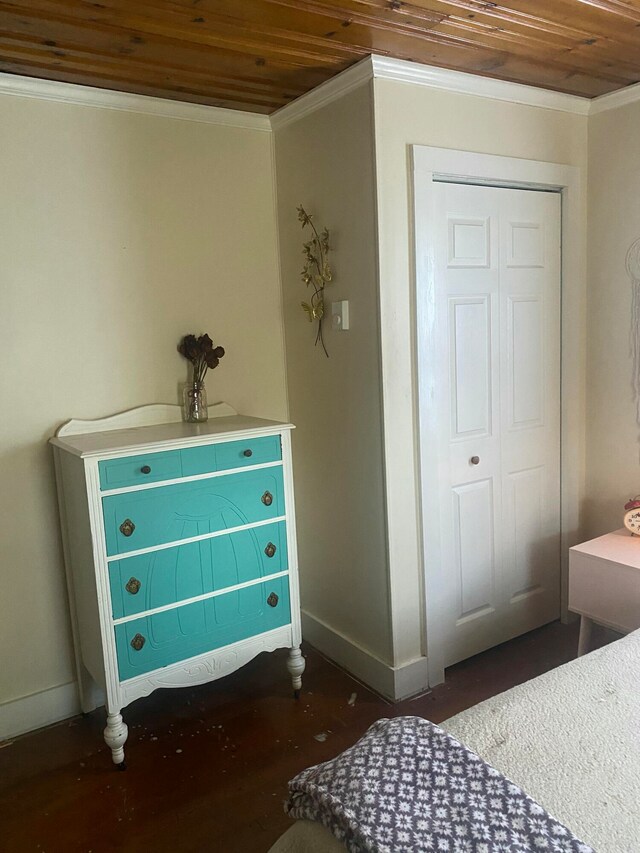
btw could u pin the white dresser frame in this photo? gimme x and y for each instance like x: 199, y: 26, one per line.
x: 78, y: 447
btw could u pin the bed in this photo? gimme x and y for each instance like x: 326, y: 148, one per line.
x: 569, y: 738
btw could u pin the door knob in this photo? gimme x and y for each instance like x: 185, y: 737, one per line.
x: 475, y: 460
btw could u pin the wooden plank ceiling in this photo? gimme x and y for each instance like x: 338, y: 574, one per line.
x: 258, y: 55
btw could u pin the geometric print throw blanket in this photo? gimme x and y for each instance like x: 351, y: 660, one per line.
x: 409, y: 786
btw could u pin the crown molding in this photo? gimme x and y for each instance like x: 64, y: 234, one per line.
x: 619, y: 98
x: 88, y: 96
x: 425, y: 75
x: 362, y: 72
x: 330, y: 90
x: 472, y: 84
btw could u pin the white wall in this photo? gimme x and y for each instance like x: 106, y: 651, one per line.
x: 613, y: 450
x: 119, y: 233
x: 407, y: 114
x: 324, y: 161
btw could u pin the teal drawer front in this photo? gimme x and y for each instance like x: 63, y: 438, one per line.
x: 231, y: 454
x: 193, y: 629
x: 185, y: 571
x: 171, y: 513
x: 237, y: 454
x: 138, y: 470
x: 173, y: 464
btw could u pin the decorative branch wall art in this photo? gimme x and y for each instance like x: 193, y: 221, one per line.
x: 316, y: 273
x: 633, y: 269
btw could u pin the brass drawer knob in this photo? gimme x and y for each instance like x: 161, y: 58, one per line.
x: 127, y: 527
x: 146, y: 469
x: 267, y: 499
x: 138, y: 642
x: 248, y: 453
x: 133, y: 586
x: 270, y: 550
x: 272, y: 600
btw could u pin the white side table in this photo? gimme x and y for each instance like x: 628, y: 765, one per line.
x: 604, y: 584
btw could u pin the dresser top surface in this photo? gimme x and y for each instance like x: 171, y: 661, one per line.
x: 141, y: 439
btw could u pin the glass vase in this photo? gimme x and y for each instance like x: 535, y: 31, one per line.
x: 194, y: 398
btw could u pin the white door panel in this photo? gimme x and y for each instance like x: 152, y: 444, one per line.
x: 470, y: 352
x: 491, y: 445
x: 525, y: 361
x: 474, y: 547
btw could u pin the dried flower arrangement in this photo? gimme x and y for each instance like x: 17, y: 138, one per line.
x: 201, y: 353
x: 316, y: 272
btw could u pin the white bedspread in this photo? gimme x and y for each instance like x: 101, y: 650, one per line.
x: 570, y: 738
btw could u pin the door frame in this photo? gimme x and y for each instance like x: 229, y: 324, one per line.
x: 433, y: 165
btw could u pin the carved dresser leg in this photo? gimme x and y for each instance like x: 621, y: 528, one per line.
x: 296, y: 665
x: 115, y: 736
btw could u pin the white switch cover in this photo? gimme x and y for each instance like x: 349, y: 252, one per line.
x: 340, y: 315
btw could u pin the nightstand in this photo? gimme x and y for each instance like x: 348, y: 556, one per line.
x: 604, y: 584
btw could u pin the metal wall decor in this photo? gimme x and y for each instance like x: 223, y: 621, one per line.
x: 315, y: 273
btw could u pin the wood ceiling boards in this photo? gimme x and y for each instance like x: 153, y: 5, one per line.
x: 259, y: 55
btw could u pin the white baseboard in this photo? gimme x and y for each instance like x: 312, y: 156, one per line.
x: 393, y: 682
x: 39, y: 709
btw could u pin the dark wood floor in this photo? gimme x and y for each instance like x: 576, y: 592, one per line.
x: 208, y: 767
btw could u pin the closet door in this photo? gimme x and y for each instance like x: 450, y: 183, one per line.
x: 492, y: 367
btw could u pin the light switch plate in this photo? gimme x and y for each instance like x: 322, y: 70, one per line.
x: 340, y: 315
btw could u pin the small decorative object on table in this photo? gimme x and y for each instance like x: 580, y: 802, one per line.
x: 316, y: 272
x: 632, y: 516
x: 203, y: 355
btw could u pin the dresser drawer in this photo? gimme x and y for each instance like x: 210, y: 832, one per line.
x: 174, y: 464
x: 230, y: 454
x: 149, y: 517
x: 185, y: 571
x: 137, y: 470
x: 153, y: 642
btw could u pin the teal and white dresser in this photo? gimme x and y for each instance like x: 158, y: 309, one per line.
x: 180, y: 551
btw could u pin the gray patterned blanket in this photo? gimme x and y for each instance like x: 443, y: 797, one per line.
x: 408, y: 786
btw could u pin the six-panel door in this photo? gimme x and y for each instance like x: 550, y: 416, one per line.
x: 493, y: 364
